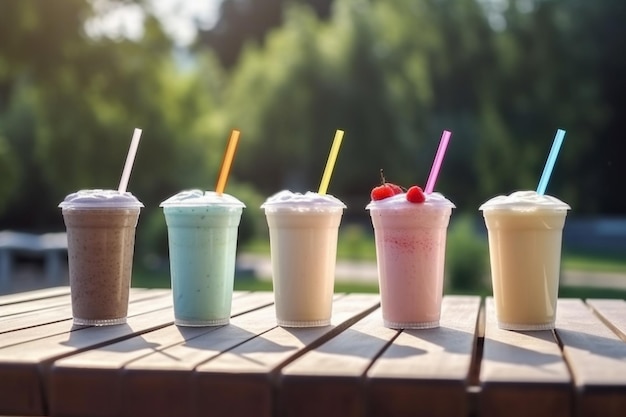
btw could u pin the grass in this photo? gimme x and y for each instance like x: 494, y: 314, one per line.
x: 146, y: 279
x: 246, y: 283
x: 356, y: 243
x: 594, y: 262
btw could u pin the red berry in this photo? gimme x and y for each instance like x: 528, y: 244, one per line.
x: 396, y: 188
x: 385, y: 189
x: 415, y: 195
x: 381, y: 192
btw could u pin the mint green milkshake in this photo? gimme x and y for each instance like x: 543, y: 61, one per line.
x: 202, y: 234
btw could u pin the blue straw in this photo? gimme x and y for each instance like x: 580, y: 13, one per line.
x: 547, y: 170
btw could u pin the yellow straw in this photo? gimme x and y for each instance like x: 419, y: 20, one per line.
x: 332, y: 157
x: 228, y: 159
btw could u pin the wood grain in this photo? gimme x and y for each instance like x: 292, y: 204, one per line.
x: 597, y: 358
x: 612, y: 313
x: 91, y: 383
x: 354, y: 368
x: 522, y: 373
x: 243, y: 381
x: 33, y: 295
x: 425, y: 372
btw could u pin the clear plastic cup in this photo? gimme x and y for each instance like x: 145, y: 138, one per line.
x: 202, y: 237
x: 303, y: 239
x: 101, y: 241
x: 525, y: 236
x: 410, y: 254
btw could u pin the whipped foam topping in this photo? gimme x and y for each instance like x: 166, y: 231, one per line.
x: 100, y: 198
x: 399, y: 201
x: 189, y: 198
x: 524, y: 201
x: 309, y: 201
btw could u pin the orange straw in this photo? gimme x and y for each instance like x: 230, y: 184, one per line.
x: 226, y: 163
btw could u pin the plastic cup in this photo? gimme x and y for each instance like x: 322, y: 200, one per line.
x: 410, y: 254
x: 101, y: 241
x: 202, y: 237
x: 303, y: 242
x: 525, y: 233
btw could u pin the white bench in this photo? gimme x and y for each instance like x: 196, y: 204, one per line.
x: 52, y: 247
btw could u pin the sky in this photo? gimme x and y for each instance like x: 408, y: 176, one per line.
x: 178, y: 17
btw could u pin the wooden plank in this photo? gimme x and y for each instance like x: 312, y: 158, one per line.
x: 42, y: 316
x: 90, y: 383
x: 44, y: 329
x: 240, y: 381
x: 33, y: 295
x: 24, y: 354
x: 333, y: 371
x: 612, y: 313
x: 9, y: 310
x: 522, y: 373
x: 427, y: 370
x: 597, y: 358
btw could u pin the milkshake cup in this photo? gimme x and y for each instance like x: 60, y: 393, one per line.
x: 525, y: 232
x: 410, y: 254
x: 101, y: 240
x: 303, y: 241
x: 202, y: 235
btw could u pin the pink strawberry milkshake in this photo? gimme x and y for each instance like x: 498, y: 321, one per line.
x: 410, y: 252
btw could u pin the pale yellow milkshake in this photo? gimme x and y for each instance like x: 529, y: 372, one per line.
x: 303, y: 242
x: 525, y: 233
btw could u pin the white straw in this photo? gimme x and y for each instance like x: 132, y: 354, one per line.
x: 130, y: 159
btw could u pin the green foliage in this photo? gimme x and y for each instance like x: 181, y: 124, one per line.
x: 253, y: 222
x: 393, y: 74
x: 70, y: 124
x: 8, y: 171
x: 466, y: 256
x: 356, y: 243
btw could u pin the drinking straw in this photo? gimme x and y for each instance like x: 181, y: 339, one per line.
x: 330, y: 163
x: 547, y: 169
x: 130, y: 159
x: 228, y: 159
x: 434, y: 171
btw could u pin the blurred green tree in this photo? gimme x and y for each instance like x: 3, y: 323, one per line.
x: 393, y: 74
x: 84, y: 98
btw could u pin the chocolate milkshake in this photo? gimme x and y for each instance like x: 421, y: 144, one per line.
x: 101, y: 239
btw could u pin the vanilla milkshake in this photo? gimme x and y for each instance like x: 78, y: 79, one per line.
x: 303, y: 241
x: 410, y: 253
x: 202, y: 236
x: 525, y: 232
x: 101, y: 240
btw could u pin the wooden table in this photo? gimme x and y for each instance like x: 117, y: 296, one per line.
x: 355, y: 367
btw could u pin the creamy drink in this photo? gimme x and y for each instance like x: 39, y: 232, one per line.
x: 202, y: 235
x: 101, y: 240
x: 303, y: 240
x: 410, y: 252
x: 525, y: 233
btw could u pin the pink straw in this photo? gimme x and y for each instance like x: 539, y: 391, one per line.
x: 434, y: 171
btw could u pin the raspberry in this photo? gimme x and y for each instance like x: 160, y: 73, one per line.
x: 396, y: 188
x: 381, y: 192
x: 385, y: 190
x: 415, y: 195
